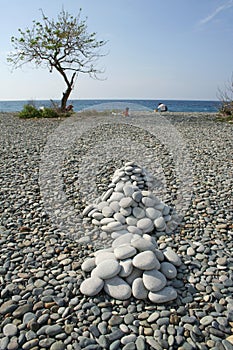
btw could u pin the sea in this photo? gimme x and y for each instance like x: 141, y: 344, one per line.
x: 79, y: 105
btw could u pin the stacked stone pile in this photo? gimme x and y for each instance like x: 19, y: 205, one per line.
x: 133, y: 265
x: 129, y: 206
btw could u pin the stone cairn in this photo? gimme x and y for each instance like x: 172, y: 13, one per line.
x: 134, y: 217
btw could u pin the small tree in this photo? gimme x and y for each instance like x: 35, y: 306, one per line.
x: 63, y: 44
x: 226, y: 98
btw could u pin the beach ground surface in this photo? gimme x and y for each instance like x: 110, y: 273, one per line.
x: 51, y: 169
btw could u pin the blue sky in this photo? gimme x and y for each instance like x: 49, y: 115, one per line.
x: 157, y: 49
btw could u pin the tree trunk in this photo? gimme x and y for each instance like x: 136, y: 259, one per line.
x: 66, y: 94
x: 65, y: 97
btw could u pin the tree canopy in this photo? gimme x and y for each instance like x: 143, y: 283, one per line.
x: 63, y: 44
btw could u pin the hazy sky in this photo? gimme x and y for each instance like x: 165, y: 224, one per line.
x: 157, y: 49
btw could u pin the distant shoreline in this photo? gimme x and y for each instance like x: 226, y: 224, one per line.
x: 143, y: 104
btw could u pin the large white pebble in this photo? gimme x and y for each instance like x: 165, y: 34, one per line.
x: 119, y: 186
x: 91, y: 286
x: 115, y: 226
x: 134, y: 274
x: 106, y: 269
x: 138, y: 212
x: 152, y: 213
x: 148, y: 202
x: 137, y: 196
x: 107, y: 212
x: 117, y: 288
x: 116, y: 196
x: 104, y: 256
x: 125, y: 238
x: 168, y: 270
x: 124, y: 251
x: 126, y: 202
x: 131, y: 221
x: 146, y: 261
x: 138, y: 289
x: 107, y: 194
x: 115, y: 206
x: 126, y: 267
x: 142, y: 244
x: 88, y: 265
x: 145, y: 224
x: 163, y: 296
x: 119, y: 217
x: 154, y: 280
x: 135, y: 230
x: 126, y: 211
x: 172, y: 257
x: 159, y: 223
x: 128, y: 190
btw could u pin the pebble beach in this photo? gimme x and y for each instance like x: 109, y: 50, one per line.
x: 52, y: 169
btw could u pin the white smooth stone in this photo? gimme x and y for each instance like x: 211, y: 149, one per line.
x: 119, y: 186
x: 116, y: 196
x: 124, y: 251
x: 142, y: 244
x: 148, y: 202
x: 106, y: 269
x: 126, y: 202
x: 114, y: 206
x: 163, y: 296
x: 146, y: 261
x: 126, y: 267
x: 154, y: 280
x: 117, y: 288
x: 126, y: 238
x: 172, y: 257
x: 102, y: 204
x: 159, y: 223
x: 137, y: 196
x: 115, y: 226
x: 135, y: 230
x: 119, y: 217
x: 145, y: 224
x: 139, y: 291
x: 128, y: 190
x: 131, y: 221
x: 168, y: 269
x: 134, y: 274
x: 104, y: 256
x: 91, y: 286
x: 152, y: 213
x: 107, y: 212
x: 107, y: 194
x: 126, y: 211
x: 88, y: 265
x: 138, y: 212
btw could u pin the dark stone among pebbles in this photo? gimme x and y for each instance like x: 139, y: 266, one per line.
x: 41, y: 306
